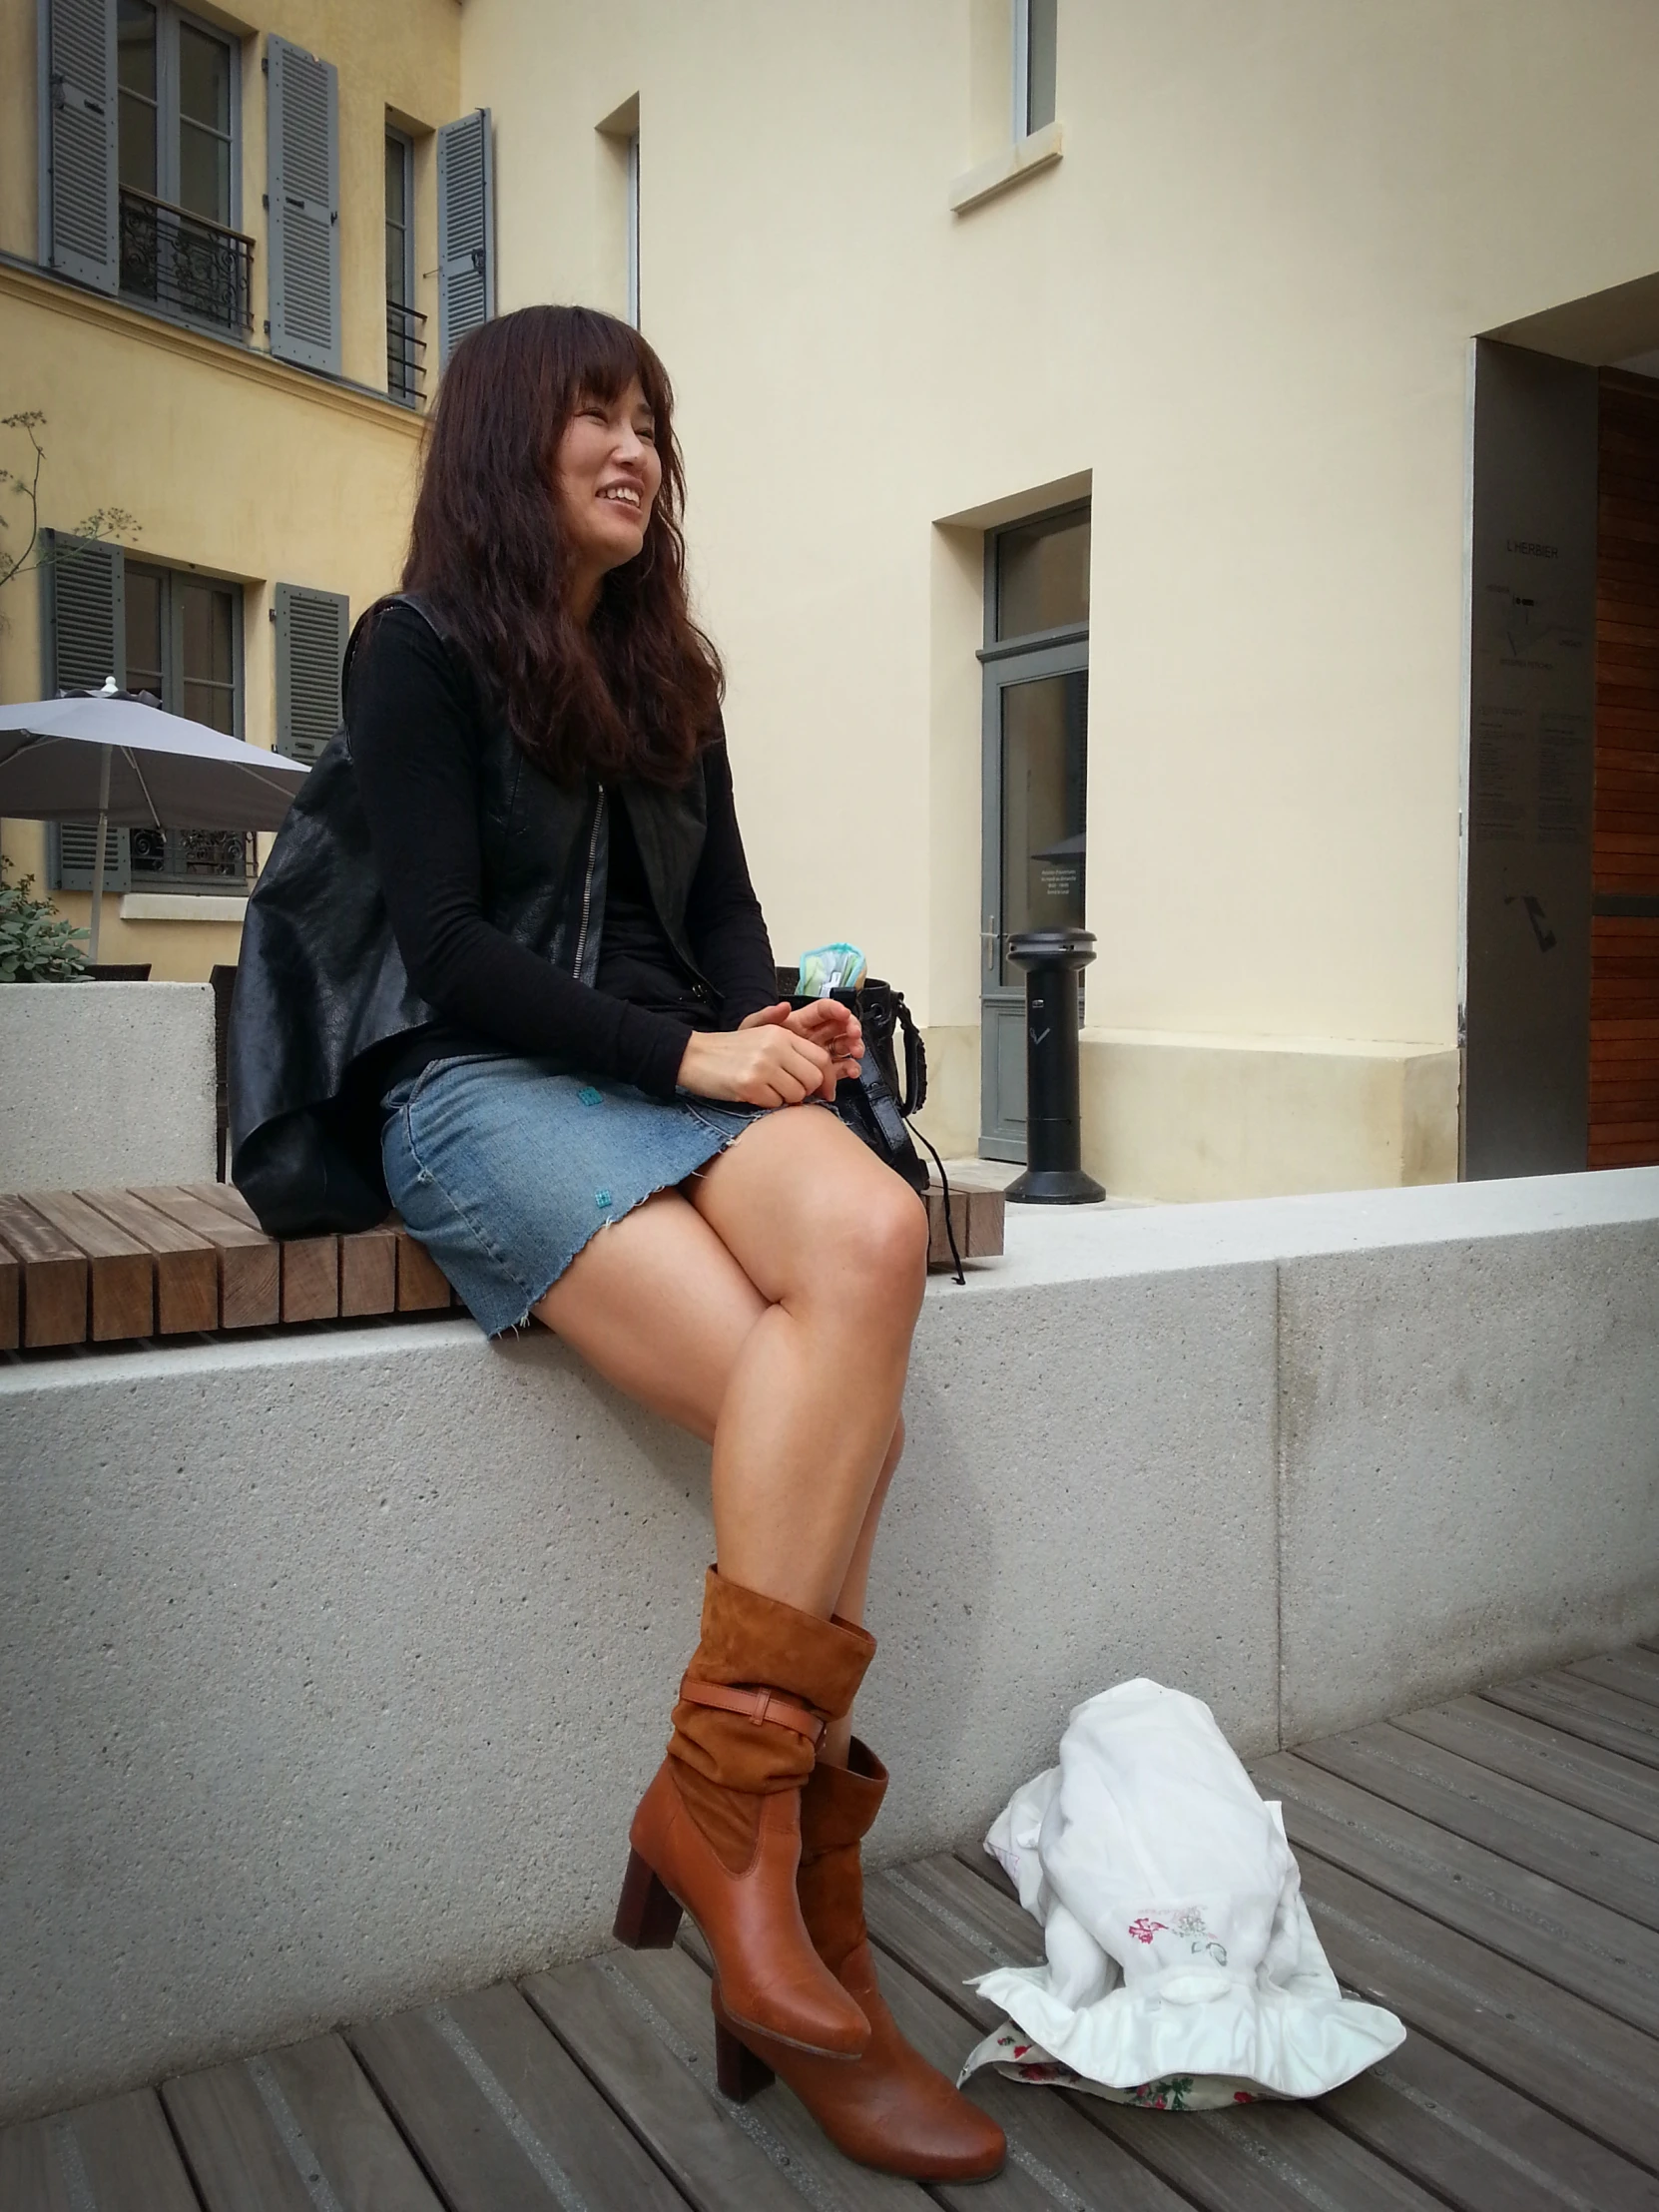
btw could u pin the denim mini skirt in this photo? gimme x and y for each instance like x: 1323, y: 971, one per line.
x: 503, y: 1167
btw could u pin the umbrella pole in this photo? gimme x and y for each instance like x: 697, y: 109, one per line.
x: 98, y: 869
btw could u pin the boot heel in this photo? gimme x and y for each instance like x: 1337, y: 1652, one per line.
x: 647, y: 1915
x: 739, y: 2073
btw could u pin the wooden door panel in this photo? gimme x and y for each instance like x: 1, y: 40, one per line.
x: 1624, y: 944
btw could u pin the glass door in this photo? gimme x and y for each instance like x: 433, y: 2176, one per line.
x: 1035, y: 783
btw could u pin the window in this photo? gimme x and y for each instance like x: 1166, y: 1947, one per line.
x: 1036, y: 662
x: 177, y: 158
x: 184, y: 644
x: 1035, y: 39
x: 406, y: 324
x: 1040, y: 580
x: 178, y: 636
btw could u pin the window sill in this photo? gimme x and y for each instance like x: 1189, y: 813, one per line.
x: 1004, y: 170
x: 183, y: 905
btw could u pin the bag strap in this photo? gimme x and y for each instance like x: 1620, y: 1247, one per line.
x: 915, y: 1059
x: 365, y: 623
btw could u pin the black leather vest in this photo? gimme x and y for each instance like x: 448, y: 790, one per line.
x: 322, y: 989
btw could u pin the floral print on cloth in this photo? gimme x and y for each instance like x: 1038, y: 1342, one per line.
x: 1023, y: 2060
x: 1182, y: 1970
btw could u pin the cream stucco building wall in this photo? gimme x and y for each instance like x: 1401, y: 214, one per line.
x: 1237, y: 310
x: 1230, y: 300
x: 233, y: 464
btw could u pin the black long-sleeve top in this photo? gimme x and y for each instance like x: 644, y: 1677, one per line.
x: 416, y: 731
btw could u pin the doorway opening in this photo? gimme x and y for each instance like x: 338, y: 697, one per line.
x: 1034, y: 836
x: 1561, y: 1036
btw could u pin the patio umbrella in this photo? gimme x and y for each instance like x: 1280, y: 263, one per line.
x: 126, y: 763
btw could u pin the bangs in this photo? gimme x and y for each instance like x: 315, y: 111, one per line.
x: 608, y: 356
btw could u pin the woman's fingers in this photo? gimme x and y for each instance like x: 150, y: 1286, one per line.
x: 825, y: 1019
x: 793, y: 1064
x: 763, y: 1063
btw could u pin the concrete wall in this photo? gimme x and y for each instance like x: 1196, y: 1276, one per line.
x: 106, y: 1083
x: 1237, y: 312
x: 335, y: 1662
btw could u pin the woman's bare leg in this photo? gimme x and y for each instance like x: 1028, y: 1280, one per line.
x: 662, y: 1307
x: 659, y: 1307
x: 838, y: 1246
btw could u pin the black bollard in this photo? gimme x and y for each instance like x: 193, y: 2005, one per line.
x: 1053, y: 1129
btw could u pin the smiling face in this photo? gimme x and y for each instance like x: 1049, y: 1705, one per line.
x: 607, y: 472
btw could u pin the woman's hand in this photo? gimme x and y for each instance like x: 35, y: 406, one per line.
x: 764, y: 1063
x: 777, y: 1057
x: 824, y: 1022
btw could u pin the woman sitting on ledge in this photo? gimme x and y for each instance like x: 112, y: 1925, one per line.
x: 506, y: 966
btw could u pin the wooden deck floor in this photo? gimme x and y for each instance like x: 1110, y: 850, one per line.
x: 1489, y: 1870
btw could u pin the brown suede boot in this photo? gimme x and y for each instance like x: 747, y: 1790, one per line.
x: 718, y: 1829
x: 890, y: 2109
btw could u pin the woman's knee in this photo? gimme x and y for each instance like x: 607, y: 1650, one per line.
x: 875, y: 1234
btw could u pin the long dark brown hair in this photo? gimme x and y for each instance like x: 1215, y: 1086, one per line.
x: 633, y: 691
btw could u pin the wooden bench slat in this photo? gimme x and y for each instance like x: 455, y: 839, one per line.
x: 311, y: 1266
x: 368, y: 1273
x: 249, y: 1263
x: 311, y: 1279
x: 54, y: 1277
x: 938, y: 1243
x: 228, y: 1199
x: 987, y: 1219
x: 11, y: 1298
x: 186, y: 1265
x: 422, y: 1285
x: 121, y: 1270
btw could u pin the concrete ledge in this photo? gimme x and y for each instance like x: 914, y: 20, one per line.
x: 106, y: 1083
x: 335, y: 1663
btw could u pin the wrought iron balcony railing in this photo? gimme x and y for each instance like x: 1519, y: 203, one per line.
x: 183, y: 261
x: 405, y: 353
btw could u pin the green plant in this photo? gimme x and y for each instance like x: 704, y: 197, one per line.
x: 37, y: 945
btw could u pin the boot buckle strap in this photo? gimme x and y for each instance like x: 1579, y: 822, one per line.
x: 756, y: 1706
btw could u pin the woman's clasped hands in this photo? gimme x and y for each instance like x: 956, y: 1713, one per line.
x: 777, y: 1057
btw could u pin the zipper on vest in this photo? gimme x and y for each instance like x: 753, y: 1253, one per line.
x: 587, y: 886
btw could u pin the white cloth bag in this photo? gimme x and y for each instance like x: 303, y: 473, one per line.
x: 1182, y: 1969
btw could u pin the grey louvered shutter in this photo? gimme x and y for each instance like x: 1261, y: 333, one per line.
x: 466, y: 229
x: 312, y: 630
x: 83, y: 220
x: 302, y: 128
x: 86, y: 644
x: 71, y: 846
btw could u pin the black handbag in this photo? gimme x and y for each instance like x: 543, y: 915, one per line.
x: 876, y: 1105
